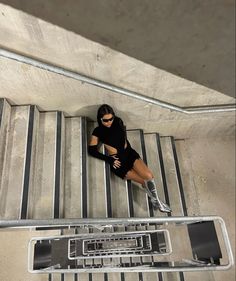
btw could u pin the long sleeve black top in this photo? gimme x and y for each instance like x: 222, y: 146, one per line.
x: 114, y: 136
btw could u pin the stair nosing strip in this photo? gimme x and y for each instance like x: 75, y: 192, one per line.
x: 108, y: 190
x: 130, y: 199
x: 56, y: 213
x: 25, y: 192
x: 84, y: 183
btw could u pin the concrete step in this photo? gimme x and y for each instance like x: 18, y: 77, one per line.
x: 5, y: 113
x: 73, y: 171
x: 16, y: 163
x: 119, y: 197
x: 171, y: 177
x: 46, y: 200
x: 71, y: 277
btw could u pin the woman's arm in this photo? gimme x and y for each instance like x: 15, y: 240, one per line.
x: 93, y: 151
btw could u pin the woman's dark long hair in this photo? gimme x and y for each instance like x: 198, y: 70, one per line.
x: 102, y: 110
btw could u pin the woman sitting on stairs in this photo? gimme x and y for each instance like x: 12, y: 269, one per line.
x: 124, y: 161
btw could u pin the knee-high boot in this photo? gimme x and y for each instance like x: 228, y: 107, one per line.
x: 150, y: 188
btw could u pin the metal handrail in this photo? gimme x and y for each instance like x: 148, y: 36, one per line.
x: 108, y: 222
x: 85, y: 79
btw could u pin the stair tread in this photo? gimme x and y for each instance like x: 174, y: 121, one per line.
x: 13, y: 169
x: 72, y: 196
x: 171, y: 177
x: 153, y: 163
x: 42, y: 201
x: 5, y: 114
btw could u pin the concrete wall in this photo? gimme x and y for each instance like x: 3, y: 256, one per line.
x: 194, y: 39
x: 23, y: 84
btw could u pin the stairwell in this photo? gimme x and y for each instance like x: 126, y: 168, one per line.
x: 45, y: 173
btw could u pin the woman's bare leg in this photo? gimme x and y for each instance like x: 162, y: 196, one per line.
x: 139, y: 173
x: 132, y: 175
x: 142, y: 169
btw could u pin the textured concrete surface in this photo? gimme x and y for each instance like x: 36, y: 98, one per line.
x: 73, y: 171
x: 5, y: 113
x: 193, y: 39
x: 171, y: 179
x: 208, y: 171
x: 12, y: 180
x: 14, y: 261
x: 41, y: 203
x: 23, y: 84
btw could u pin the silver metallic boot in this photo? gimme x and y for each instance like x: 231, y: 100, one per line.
x: 150, y: 188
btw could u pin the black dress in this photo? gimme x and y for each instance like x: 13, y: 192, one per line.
x: 115, y: 136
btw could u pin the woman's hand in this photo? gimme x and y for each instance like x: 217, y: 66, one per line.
x: 116, y: 163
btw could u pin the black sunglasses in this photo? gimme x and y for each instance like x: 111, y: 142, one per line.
x: 107, y: 120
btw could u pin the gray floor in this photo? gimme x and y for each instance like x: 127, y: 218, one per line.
x: 208, y: 171
x: 187, y: 38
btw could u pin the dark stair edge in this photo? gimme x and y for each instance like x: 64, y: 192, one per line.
x: 108, y: 190
x: 84, y: 181
x: 27, y: 168
x: 56, y: 213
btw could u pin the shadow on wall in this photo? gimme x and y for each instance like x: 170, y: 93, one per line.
x: 187, y: 38
x: 91, y: 112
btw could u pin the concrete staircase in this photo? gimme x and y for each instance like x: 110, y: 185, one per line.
x: 45, y: 172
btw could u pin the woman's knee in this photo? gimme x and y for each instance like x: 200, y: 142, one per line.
x: 132, y: 175
x: 148, y: 175
x: 142, y: 170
